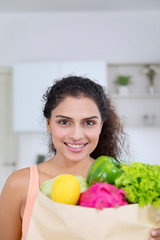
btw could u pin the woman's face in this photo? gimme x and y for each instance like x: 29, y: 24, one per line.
x: 75, y: 126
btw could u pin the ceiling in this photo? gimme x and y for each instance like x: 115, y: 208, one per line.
x: 77, y: 5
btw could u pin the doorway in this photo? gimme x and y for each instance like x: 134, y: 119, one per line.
x: 8, y: 138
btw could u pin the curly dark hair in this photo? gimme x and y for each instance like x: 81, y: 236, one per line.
x: 112, y: 138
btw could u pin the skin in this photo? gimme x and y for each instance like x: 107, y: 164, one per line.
x: 75, y: 120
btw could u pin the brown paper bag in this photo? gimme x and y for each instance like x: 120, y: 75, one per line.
x: 51, y: 220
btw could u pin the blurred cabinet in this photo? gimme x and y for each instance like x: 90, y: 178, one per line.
x: 95, y: 70
x: 31, y: 80
x: 138, y: 107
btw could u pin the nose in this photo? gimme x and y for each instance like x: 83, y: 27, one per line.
x: 76, y: 133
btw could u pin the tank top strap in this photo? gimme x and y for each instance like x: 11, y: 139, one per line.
x: 33, y: 189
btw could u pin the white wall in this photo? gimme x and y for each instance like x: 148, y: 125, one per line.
x: 144, y: 144
x: 31, y: 145
x: 110, y: 36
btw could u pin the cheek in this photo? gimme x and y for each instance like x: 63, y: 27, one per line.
x: 94, y: 134
x: 58, y: 133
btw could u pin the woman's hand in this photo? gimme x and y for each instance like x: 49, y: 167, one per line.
x: 155, y: 234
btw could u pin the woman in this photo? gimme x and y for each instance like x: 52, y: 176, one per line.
x: 83, y: 125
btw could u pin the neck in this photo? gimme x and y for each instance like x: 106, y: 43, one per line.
x: 71, y: 167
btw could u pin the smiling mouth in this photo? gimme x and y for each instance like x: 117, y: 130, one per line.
x: 76, y: 146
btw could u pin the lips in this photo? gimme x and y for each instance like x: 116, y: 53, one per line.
x: 75, y: 147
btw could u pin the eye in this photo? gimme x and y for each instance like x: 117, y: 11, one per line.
x: 64, y: 122
x: 89, y: 123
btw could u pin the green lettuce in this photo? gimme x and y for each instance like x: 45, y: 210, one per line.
x: 46, y: 187
x: 83, y: 183
x: 141, y: 182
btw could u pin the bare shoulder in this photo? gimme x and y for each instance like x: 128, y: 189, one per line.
x: 12, y: 197
x: 17, y: 180
x: 16, y: 188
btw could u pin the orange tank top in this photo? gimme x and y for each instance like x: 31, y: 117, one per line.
x: 33, y: 189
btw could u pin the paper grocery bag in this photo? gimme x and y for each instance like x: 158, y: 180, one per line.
x: 56, y: 221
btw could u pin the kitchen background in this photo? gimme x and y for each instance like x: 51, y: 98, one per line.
x: 40, y: 43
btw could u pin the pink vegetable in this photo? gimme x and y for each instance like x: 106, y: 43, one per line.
x: 102, y: 195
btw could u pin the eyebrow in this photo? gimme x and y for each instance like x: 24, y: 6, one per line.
x: 63, y: 116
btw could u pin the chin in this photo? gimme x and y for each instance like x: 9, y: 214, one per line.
x: 76, y: 157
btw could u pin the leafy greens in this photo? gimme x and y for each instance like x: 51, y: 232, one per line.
x: 141, y: 182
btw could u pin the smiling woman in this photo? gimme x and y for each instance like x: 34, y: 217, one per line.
x: 83, y: 126
x: 83, y: 95
x: 75, y: 129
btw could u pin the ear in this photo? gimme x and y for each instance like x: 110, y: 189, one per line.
x: 48, y: 126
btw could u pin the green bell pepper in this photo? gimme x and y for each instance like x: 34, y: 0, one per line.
x: 104, y: 169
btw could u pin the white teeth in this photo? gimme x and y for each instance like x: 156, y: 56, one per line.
x: 75, y: 146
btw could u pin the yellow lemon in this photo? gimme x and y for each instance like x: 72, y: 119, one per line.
x: 66, y: 189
